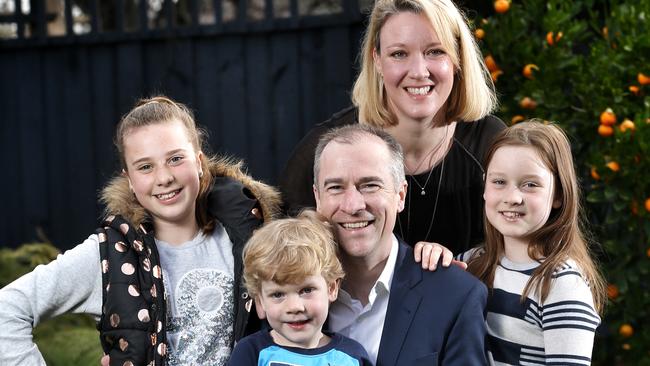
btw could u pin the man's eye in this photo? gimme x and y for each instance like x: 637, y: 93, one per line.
x: 307, y: 290
x: 276, y: 295
x: 334, y: 189
x: 371, y: 187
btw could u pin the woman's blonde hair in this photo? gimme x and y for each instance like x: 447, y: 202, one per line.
x: 563, y: 235
x: 472, y: 95
x: 287, y: 251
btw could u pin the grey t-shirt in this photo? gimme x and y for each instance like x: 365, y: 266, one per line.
x: 199, y: 284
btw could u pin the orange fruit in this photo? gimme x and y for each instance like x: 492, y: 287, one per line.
x: 528, y: 71
x: 626, y: 330
x: 479, y: 33
x: 501, y: 6
x: 626, y: 346
x: 549, y: 38
x: 627, y: 125
x: 647, y: 252
x: 612, y: 291
x: 605, y: 131
x: 605, y: 32
x: 495, y: 75
x: 613, y: 166
x: 594, y: 173
x: 527, y: 103
x: 608, y: 117
x: 552, y: 38
x: 517, y: 118
x: 647, y: 204
x: 491, y: 64
x: 634, y: 89
x: 643, y: 79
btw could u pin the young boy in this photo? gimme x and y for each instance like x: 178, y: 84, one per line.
x: 292, y: 271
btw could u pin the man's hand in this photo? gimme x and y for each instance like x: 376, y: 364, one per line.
x: 429, y: 253
x: 106, y: 360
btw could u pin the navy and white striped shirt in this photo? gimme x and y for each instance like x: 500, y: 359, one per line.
x: 559, y: 331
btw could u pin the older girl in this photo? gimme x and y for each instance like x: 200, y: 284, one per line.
x: 168, y: 288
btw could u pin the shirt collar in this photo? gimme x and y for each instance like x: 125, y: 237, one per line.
x: 386, y: 277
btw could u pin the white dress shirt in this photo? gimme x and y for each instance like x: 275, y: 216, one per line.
x: 350, y: 318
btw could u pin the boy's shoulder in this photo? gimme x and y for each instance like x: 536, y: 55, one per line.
x: 347, y: 345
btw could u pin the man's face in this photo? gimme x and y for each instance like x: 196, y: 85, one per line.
x: 356, y: 192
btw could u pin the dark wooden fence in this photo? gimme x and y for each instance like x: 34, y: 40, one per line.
x: 257, y: 85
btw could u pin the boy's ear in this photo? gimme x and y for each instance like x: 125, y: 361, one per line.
x: 333, y: 290
x: 259, y: 309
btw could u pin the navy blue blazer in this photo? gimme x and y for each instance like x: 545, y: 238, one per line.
x: 433, y: 318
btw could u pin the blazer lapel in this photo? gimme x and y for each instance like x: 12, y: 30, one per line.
x: 402, y: 306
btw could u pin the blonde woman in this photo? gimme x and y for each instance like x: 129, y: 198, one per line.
x: 423, y: 81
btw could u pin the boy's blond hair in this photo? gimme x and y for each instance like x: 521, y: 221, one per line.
x: 286, y: 251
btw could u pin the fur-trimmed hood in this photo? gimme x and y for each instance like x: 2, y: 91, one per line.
x: 120, y: 200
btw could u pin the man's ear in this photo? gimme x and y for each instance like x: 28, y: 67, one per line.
x: 259, y: 308
x: 402, y: 195
x: 316, y: 196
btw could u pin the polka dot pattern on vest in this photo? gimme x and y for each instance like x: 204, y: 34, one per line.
x: 131, y: 325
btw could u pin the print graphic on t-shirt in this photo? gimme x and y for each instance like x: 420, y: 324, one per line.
x: 202, y: 331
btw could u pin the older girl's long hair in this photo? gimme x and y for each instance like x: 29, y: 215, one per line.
x: 563, y: 235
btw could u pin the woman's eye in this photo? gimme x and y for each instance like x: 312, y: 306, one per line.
x: 498, y: 181
x: 435, y: 52
x: 277, y: 295
x: 398, y: 54
x: 530, y: 185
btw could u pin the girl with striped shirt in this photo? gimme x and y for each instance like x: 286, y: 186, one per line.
x: 546, y: 291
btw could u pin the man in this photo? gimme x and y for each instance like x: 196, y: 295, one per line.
x: 401, y: 314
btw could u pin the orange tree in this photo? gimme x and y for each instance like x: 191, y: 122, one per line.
x: 584, y: 64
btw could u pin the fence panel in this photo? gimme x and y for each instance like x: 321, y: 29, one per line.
x: 256, y: 84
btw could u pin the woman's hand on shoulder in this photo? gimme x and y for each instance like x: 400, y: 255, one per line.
x: 428, y: 254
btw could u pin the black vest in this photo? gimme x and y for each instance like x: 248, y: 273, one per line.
x: 132, y: 323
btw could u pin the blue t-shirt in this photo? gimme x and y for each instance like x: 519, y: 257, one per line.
x: 259, y: 349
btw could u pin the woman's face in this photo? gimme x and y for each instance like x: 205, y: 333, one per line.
x: 418, y: 73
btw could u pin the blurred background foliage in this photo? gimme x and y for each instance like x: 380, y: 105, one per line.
x: 584, y: 64
x: 67, y: 340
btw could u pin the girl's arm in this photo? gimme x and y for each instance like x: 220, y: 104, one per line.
x: 569, y: 320
x: 71, y: 283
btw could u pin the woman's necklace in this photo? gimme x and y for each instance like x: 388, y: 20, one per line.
x: 435, y: 207
x: 430, y: 153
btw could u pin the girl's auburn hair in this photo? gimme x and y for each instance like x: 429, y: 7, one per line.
x: 563, y: 236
